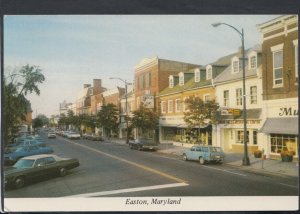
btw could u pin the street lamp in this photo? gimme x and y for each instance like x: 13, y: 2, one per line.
x: 126, y: 111
x: 246, y: 161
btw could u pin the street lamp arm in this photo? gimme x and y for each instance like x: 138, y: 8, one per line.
x: 118, y: 79
x: 223, y: 23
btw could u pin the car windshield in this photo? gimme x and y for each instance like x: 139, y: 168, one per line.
x: 24, y: 163
x: 216, y: 149
x: 20, y: 149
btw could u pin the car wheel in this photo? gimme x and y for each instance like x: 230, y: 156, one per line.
x: 63, y: 172
x: 19, y: 182
x: 201, y: 161
x: 184, y: 157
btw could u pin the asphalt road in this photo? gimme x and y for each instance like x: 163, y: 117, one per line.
x: 114, y: 170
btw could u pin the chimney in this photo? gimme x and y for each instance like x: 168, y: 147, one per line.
x: 97, y: 85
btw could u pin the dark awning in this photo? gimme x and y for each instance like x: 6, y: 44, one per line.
x: 281, y: 126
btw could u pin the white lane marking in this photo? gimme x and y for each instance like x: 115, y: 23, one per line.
x: 289, y: 185
x: 223, y: 170
x: 138, y: 189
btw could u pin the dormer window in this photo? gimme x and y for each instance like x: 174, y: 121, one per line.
x: 252, y: 60
x: 208, y: 72
x: 197, y: 75
x: 235, y: 66
x: 171, y: 81
x: 181, y: 78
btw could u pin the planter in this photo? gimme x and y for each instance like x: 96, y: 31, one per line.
x: 257, y: 154
x: 287, y: 158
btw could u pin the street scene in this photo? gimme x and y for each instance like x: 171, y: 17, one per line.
x: 107, y: 168
x: 118, y: 107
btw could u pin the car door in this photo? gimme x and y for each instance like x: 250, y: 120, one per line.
x: 39, y: 169
x: 192, y: 153
x: 51, y: 166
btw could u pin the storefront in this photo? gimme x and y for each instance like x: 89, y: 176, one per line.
x: 280, y: 127
x: 231, y: 132
x: 281, y: 135
x: 173, y: 128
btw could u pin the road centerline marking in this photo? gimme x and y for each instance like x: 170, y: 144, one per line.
x: 130, y: 162
x: 137, y: 189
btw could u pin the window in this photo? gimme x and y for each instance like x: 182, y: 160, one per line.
x: 171, y: 82
x: 255, y: 137
x: 177, y: 105
x: 240, y: 136
x: 253, y: 95
x: 226, y: 98
x: 170, y: 106
x: 186, y: 106
x: 296, y: 58
x: 282, y: 142
x: 197, y: 75
x: 253, y: 62
x: 206, y: 97
x: 235, y: 65
x: 239, y: 100
x: 163, y: 106
x: 208, y: 72
x: 277, y: 65
x: 181, y: 79
x: 277, y: 68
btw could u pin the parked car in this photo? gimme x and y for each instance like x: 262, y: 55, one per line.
x: 12, y: 157
x: 204, y: 154
x: 26, y: 142
x: 143, y: 144
x: 37, y: 166
x: 51, y: 135
x: 73, y: 135
x: 95, y: 137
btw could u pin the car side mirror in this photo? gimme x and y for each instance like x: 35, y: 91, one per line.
x: 39, y: 165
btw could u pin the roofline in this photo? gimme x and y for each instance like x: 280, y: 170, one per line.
x: 189, y: 89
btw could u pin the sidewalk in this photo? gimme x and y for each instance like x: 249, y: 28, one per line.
x: 271, y: 167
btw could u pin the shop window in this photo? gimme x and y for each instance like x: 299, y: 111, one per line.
x: 240, y: 136
x: 281, y: 142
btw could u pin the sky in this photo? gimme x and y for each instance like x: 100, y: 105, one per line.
x: 72, y: 50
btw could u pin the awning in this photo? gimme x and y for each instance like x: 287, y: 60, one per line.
x: 281, y: 126
x: 185, y: 126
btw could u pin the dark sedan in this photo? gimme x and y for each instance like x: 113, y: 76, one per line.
x: 12, y: 157
x: 36, y: 167
x: 143, y: 144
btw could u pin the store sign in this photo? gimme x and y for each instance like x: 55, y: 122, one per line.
x: 231, y: 111
x: 288, y: 112
x: 148, y: 101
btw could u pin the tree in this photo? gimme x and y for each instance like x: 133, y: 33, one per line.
x: 17, y: 85
x: 37, y: 122
x: 200, y: 113
x: 43, y: 118
x: 107, y: 118
x: 145, y: 120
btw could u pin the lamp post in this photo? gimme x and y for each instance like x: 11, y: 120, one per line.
x: 246, y: 161
x: 126, y: 111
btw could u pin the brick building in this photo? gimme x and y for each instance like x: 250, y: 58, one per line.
x: 151, y: 76
x: 280, y: 85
